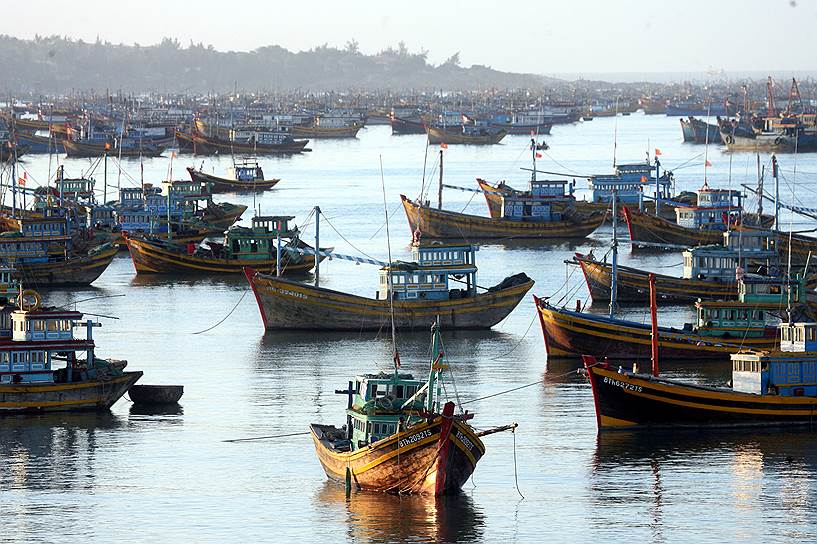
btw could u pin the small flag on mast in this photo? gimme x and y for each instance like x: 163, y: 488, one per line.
x: 657, y: 152
x: 443, y: 145
x: 707, y: 163
x: 538, y: 155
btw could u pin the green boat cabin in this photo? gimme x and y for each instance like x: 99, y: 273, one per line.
x: 730, y: 320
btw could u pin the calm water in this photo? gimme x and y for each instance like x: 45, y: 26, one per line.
x: 163, y: 477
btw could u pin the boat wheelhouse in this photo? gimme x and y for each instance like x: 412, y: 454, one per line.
x: 429, y: 276
x: 246, y: 170
x: 731, y: 319
x: 629, y: 183
x: 716, y: 209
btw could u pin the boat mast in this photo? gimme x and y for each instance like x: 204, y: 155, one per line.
x: 440, y: 187
x: 533, y: 158
x: 615, y: 134
x: 389, y: 281
x: 657, y: 187
x: 759, y: 190
x: 614, y: 278
x: 776, y: 193
x: 317, y: 246
x: 654, y: 324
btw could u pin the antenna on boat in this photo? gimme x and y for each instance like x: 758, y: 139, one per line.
x: 615, y: 133
x: 389, y: 284
x: 614, y: 275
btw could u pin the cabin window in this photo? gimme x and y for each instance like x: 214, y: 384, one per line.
x: 39, y: 325
x: 373, y: 390
x: 398, y: 391
x: 410, y: 390
x: 53, y: 325
x: 810, y: 334
x: 4, y: 358
x: 377, y: 428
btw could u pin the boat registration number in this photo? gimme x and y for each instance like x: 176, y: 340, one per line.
x: 624, y: 385
x: 290, y: 293
x: 465, y: 441
x: 414, y: 438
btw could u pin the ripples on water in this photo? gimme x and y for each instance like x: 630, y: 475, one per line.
x: 167, y: 476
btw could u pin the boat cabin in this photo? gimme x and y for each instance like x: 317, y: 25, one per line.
x: 714, y: 263
x: 259, y: 241
x: 430, y: 276
x: 518, y: 207
x: 770, y: 292
x: 628, y: 182
x: 248, y: 170
x: 39, y: 338
x: 378, y: 405
x: 715, y: 209
x: 730, y: 320
x: 756, y: 244
x: 551, y: 188
x: 790, y: 372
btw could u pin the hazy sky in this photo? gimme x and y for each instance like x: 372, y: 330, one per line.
x: 542, y: 36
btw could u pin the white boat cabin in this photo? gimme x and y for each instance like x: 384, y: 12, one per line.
x: 715, y: 263
x: 430, y: 275
x: 38, y: 339
x: 716, y: 209
x: 246, y: 171
x: 629, y: 182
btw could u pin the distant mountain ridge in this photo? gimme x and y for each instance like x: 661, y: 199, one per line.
x: 54, y: 64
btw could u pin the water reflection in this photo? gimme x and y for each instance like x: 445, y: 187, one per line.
x: 51, y: 451
x: 377, y: 517
x: 158, y: 412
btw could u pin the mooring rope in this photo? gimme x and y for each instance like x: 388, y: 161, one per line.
x: 223, y: 319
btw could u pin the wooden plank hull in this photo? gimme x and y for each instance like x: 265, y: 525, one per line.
x: 290, y: 305
x: 409, y: 461
x: 439, y: 136
x: 572, y: 334
x: 202, y: 145
x: 493, y: 197
x: 152, y: 257
x: 60, y: 397
x: 75, y: 270
x: 323, y: 132
x: 633, y: 285
x: 225, y: 185
x: 626, y: 401
x: 84, y: 150
x: 433, y: 223
x: 656, y: 230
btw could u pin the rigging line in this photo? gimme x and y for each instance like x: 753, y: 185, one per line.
x: 394, y: 211
x: 469, y: 202
x: 223, y: 319
x: 389, y: 275
x: 518, y: 343
x: 515, y: 472
x: 346, y: 239
x: 266, y: 437
x: 506, y: 391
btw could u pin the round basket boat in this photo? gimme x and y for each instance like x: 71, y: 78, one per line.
x: 155, y: 394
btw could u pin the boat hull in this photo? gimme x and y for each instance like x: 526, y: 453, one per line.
x: 570, y: 334
x: 61, y: 397
x: 225, y: 185
x: 633, y: 285
x: 433, y: 223
x: 291, y: 305
x: 325, y: 133
x: 202, y: 145
x: 439, y: 136
x: 152, y: 257
x: 625, y: 401
x: 84, y: 150
x: 647, y: 228
x: 413, y: 461
x: 76, y: 270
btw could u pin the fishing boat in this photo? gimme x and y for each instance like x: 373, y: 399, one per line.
x: 769, y: 388
x: 251, y: 143
x: 399, y: 437
x: 93, y: 149
x: 442, y: 281
x: 325, y: 126
x: 269, y: 244
x: 709, y: 272
x: 469, y: 134
x: 700, y: 132
x: 245, y: 175
x: 34, y: 341
x: 34, y: 143
x: 44, y: 254
x: 402, y: 125
x: 716, y: 211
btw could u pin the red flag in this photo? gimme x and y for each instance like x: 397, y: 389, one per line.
x: 643, y: 179
x: 538, y: 155
x: 443, y: 145
x: 22, y: 180
x: 657, y: 152
x: 707, y: 163
x: 396, y: 359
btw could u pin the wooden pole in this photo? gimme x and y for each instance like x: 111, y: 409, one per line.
x: 654, y: 320
x: 440, y: 187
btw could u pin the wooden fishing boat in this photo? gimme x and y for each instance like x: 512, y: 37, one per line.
x: 437, y: 223
x: 470, y: 135
x: 722, y: 328
x: 632, y: 284
x: 34, y: 340
x: 260, y: 144
x: 655, y: 231
x: 61, y: 270
x: 397, y: 439
x: 78, y: 149
x: 316, y: 131
x: 418, y: 292
x: 244, y: 176
x: 39, y: 144
x: 241, y: 247
x: 769, y: 389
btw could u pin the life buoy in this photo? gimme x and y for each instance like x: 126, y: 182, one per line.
x: 778, y: 140
x: 730, y: 139
x: 29, y: 300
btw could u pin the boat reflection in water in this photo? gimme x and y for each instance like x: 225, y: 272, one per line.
x: 380, y: 517
x: 52, y: 451
x: 760, y: 477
